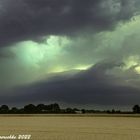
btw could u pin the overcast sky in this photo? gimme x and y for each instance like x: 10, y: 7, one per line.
x: 83, y: 52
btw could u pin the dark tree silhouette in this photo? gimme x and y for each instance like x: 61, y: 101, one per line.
x: 4, y: 109
x: 83, y: 111
x: 55, y: 108
x: 70, y: 110
x: 136, y: 109
x: 30, y: 108
x: 52, y: 108
x: 14, y: 110
x: 113, y: 111
x: 40, y: 108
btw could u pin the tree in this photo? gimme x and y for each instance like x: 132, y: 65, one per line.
x: 83, y: 111
x: 136, y: 109
x: 4, y: 109
x: 40, y: 108
x: 14, y: 110
x: 70, y: 110
x: 55, y: 108
x: 52, y: 108
x: 113, y: 111
x: 30, y: 108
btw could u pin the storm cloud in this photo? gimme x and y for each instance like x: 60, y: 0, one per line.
x: 22, y: 20
x: 94, y: 86
x: 83, y: 52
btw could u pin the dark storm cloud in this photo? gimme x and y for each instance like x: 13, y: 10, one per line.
x: 31, y: 19
x: 93, y: 86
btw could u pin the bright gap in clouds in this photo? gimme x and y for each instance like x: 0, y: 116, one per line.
x: 47, y: 55
x: 33, y: 53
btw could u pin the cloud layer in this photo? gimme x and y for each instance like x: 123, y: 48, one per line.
x: 32, y: 19
x: 95, y: 86
x: 46, y: 44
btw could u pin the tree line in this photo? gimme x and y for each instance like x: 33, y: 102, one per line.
x: 55, y: 108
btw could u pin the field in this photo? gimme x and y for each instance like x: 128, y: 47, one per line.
x: 71, y: 127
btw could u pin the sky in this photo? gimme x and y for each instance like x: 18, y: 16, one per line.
x: 74, y: 52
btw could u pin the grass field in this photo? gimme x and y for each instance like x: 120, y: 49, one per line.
x: 72, y: 127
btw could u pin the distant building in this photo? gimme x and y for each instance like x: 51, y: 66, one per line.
x: 78, y: 112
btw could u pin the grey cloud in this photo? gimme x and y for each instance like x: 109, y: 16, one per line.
x: 30, y: 19
x: 6, y: 54
x: 94, y: 86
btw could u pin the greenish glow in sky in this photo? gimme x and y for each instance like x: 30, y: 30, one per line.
x: 50, y: 54
x: 32, y: 53
x: 36, y: 60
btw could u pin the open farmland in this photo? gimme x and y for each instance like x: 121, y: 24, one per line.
x: 59, y: 127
